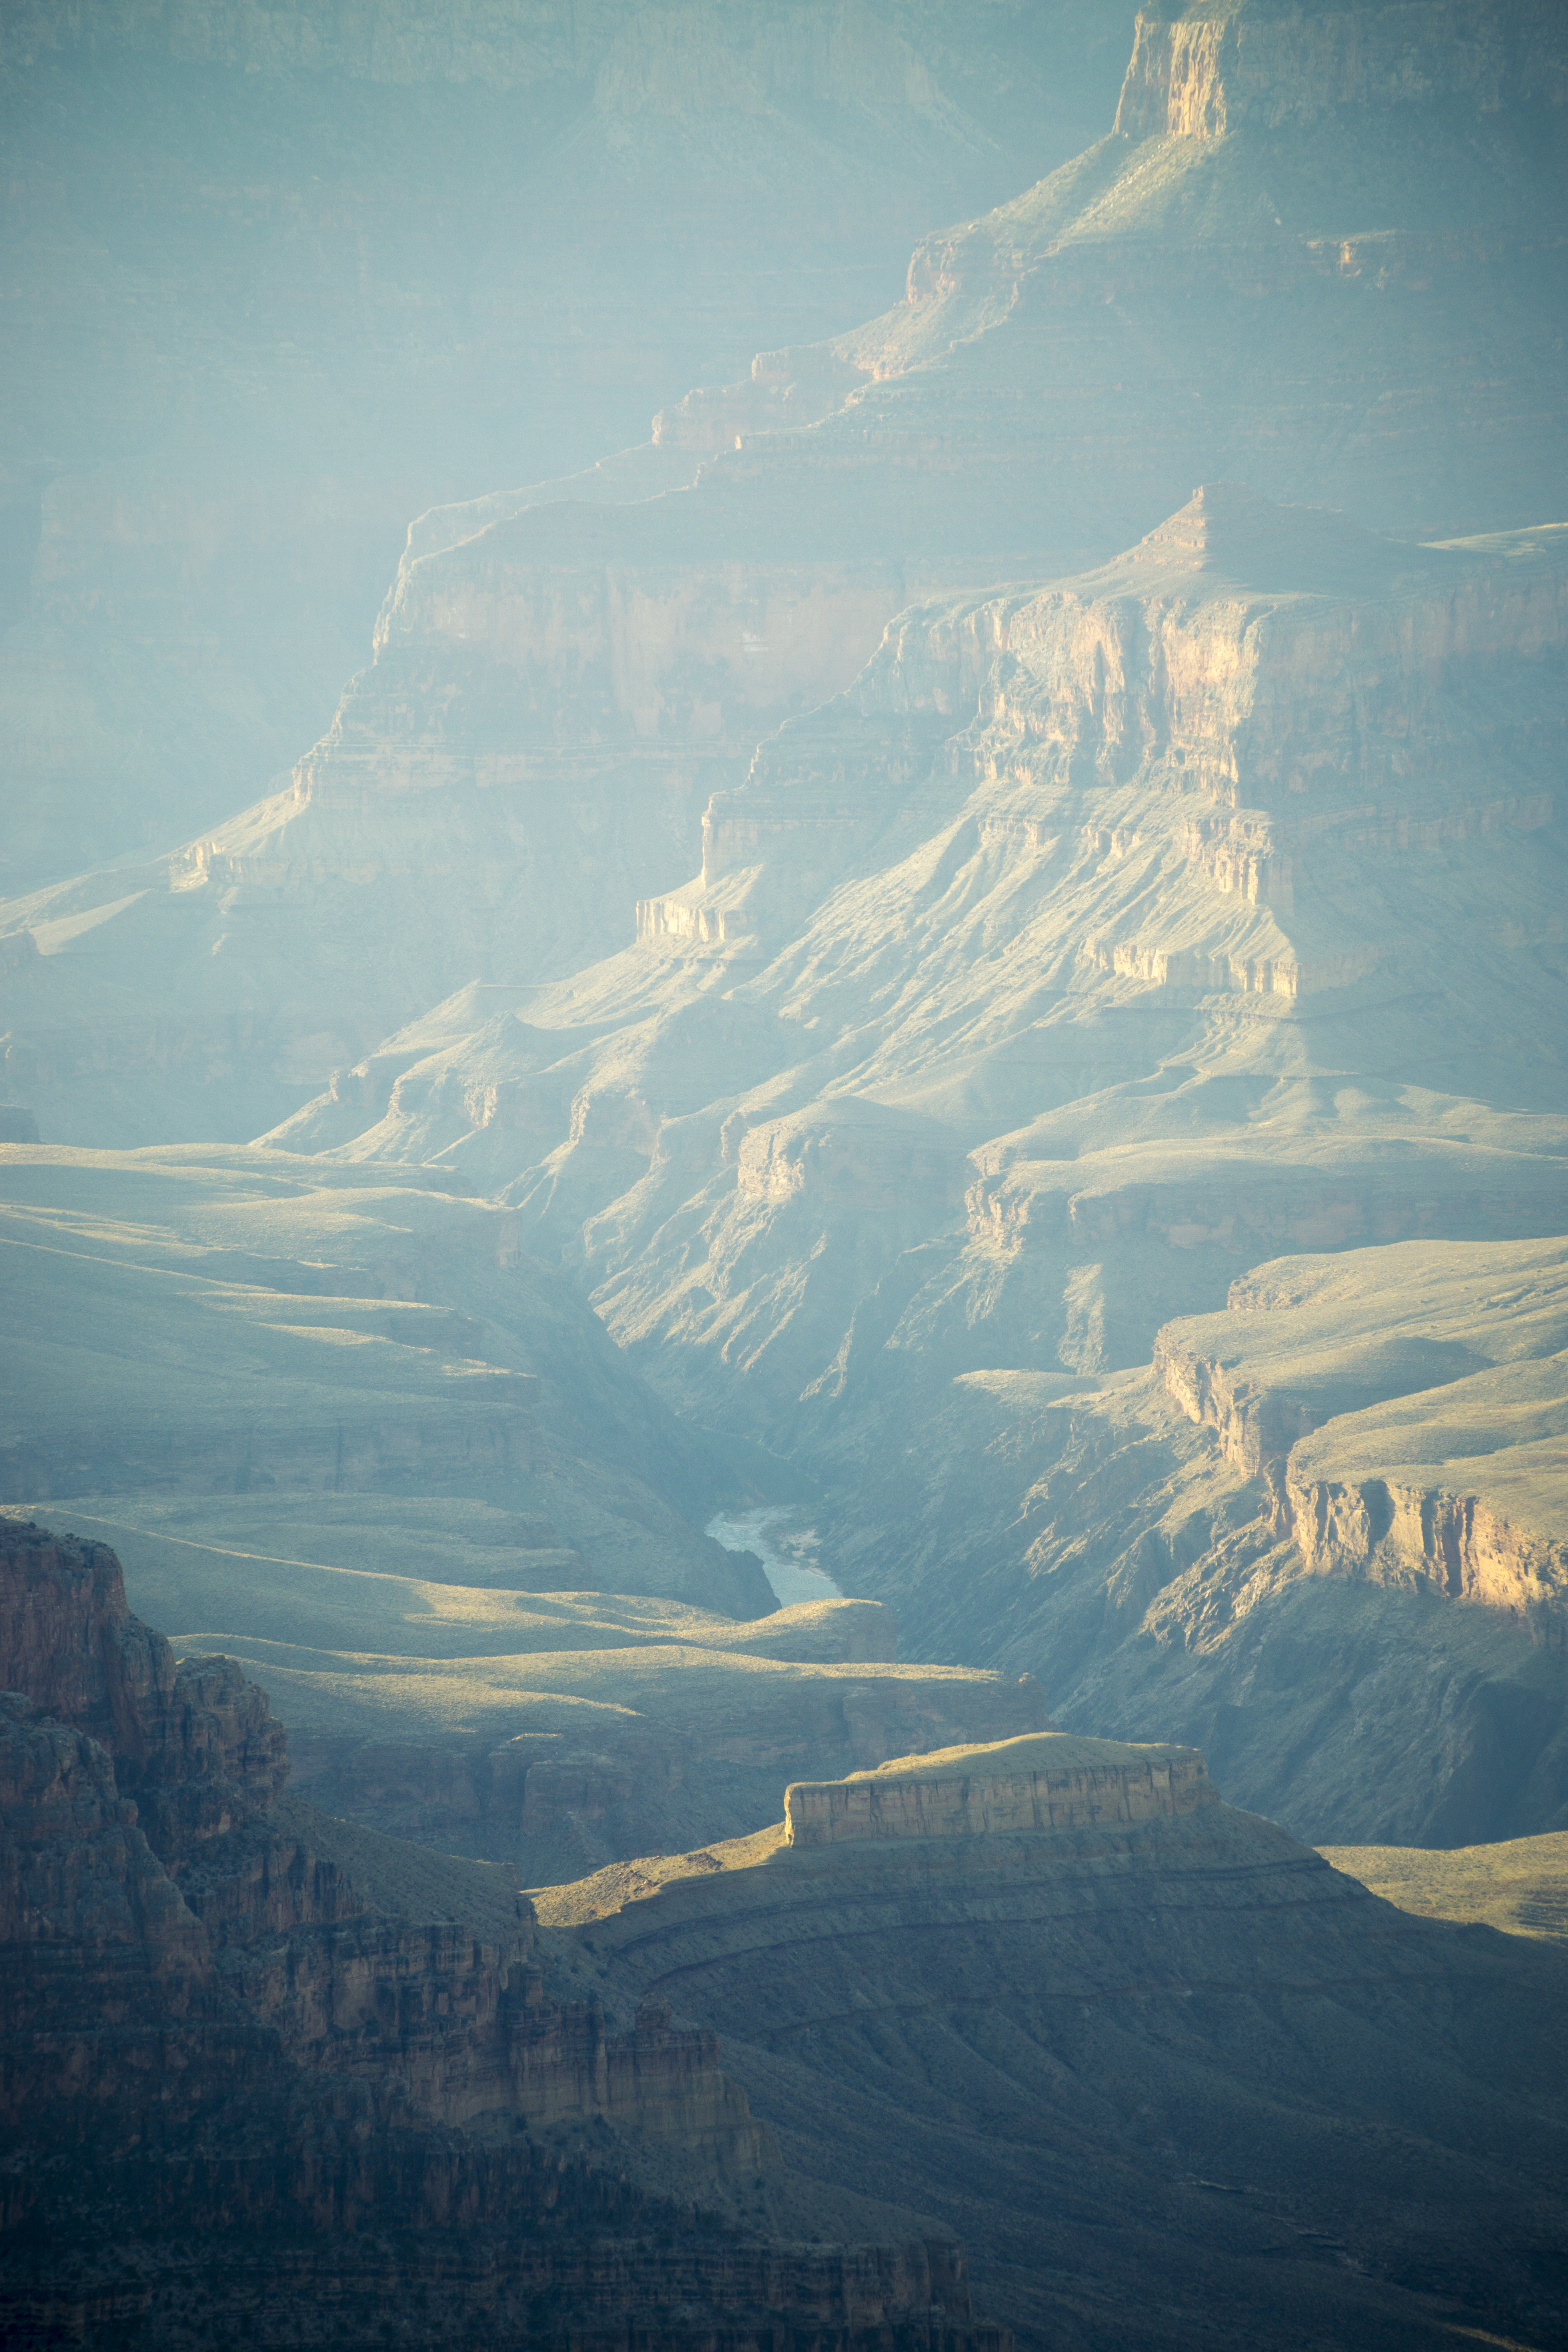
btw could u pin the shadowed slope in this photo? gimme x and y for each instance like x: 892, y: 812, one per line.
x: 1174, y: 2079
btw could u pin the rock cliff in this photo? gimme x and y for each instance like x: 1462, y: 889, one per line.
x: 1155, y: 804
x: 1357, y: 1464
x: 1040, y: 1783
x: 225, y: 2037
x: 564, y: 675
x: 1160, y: 2069
x: 1452, y: 1354
x: 1168, y: 848
x: 1194, y: 75
x: 1112, y: 929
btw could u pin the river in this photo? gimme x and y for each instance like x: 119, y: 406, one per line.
x: 786, y: 1547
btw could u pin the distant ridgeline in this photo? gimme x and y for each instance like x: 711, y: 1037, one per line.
x: 1197, y: 72
x: 1315, y: 255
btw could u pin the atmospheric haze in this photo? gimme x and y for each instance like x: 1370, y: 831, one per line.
x: 783, y: 1195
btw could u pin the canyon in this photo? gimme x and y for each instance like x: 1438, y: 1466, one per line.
x: 1025, y: 1000
x: 278, y: 280
x: 1061, y: 950
x: 1351, y: 306
x: 261, y: 2076
x: 1132, y: 2043
x: 309, y: 2084
x: 952, y: 957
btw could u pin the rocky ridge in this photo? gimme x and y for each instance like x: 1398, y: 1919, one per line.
x: 1027, y: 792
x: 1046, y: 1782
x: 1478, y: 1343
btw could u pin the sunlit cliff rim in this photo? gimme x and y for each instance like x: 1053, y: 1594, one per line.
x: 1199, y: 74
x: 1045, y: 1780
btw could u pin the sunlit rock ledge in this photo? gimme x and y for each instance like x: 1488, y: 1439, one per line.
x: 1044, y: 1781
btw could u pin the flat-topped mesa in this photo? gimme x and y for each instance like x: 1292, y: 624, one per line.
x: 1045, y: 1780
x: 1198, y: 73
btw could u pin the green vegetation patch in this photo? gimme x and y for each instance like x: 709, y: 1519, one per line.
x: 1519, y: 1885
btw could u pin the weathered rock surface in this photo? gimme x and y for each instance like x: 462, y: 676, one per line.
x: 224, y: 2040
x: 552, y: 1732
x: 1440, y: 1375
x: 820, y: 1246
x: 194, y: 1742
x: 1168, y: 2075
x: 1102, y: 938
x: 992, y: 875
x: 1047, y: 1782
x: 1349, y: 303
x: 1375, y: 1652
x: 809, y: 1178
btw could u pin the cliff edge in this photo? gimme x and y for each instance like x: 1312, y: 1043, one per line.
x: 336, y: 2064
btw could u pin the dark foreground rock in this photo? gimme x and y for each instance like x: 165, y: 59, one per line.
x: 1176, y: 2080
x: 261, y: 2078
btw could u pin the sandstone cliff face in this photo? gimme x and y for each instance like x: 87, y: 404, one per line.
x: 195, y: 1743
x: 1059, y: 935
x: 1361, y: 1624
x: 1052, y: 1783
x: 78, y: 1870
x: 1448, y: 1354
x: 1167, y: 795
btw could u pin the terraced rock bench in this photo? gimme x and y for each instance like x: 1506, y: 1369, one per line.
x: 1045, y: 1781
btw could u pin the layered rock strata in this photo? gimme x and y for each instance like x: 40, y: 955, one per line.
x: 1454, y: 1355
x: 209, y: 2034
x: 1348, y: 304
x: 1358, y: 1464
x: 991, y: 958
x: 1164, y: 2068
x: 1050, y: 1783
x: 1108, y: 936
x: 1198, y: 76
